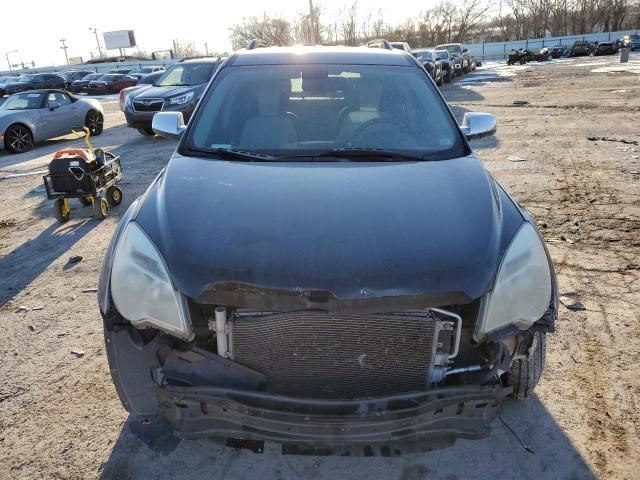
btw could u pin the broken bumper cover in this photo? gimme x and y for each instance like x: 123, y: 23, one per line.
x: 433, y: 417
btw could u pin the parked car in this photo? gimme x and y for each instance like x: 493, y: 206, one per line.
x: 72, y: 75
x: 30, y: 117
x: 401, y: 46
x: 631, y: 41
x: 559, y: 51
x: 458, y: 55
x: 177, y: 90
x: 78, y: 86
x: 111, y: 83
x: 146, y: 71
x: 606, y: 48
x: 144, y: 82
x: 6, y: 80
x: 431, y: 63
x: 305, y: 274
x: 122, y: 71
x: 448, y: 69
x: 35, y: 81
x: 581, y: 47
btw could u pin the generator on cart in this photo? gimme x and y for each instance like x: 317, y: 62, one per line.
x: 90, y: 175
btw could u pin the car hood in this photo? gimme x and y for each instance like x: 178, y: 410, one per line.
x: 350, y: 231
x: 164, y: 92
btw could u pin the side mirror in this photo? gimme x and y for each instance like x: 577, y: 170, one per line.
x: 466, y: 50
x: 168, y: 124
x: 476, y: 124
x: 53, y: 106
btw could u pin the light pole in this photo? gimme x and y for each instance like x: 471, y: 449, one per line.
x: 7, y: 57
x: 64, y: 47
x: 95, y: 32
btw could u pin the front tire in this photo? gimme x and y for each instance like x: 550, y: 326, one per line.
x: 94, y: 121
x: 18, y: 139
x: 114, y: 195
x: 100, y: 208
x: 527, y: 372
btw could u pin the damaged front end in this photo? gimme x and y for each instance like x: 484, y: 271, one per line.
x: 316, y: 381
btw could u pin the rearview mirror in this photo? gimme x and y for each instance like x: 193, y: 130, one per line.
x: 168, y: 124
x: 476, y: 124
x: 53, y: 105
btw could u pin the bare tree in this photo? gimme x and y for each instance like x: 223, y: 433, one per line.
x: 348, y: 26
x: 273, y: 30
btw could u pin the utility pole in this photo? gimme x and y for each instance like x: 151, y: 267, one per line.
x: 206, y: 48
x: 7, y: 57
x: 95, y: 32
x: 64, y: 47
x: 312, y: 20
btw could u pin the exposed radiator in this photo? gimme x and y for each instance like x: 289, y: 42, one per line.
x: 322, y: 355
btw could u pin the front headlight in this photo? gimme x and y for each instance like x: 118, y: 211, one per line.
x: 141, y: 288
x: 182, y: 99
x: 522, y: 290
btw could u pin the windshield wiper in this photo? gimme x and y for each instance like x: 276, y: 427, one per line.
x: 235, y: 154
x: 360, y: 154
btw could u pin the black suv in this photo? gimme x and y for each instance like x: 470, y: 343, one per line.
x: 325, y: 263
x: 36, y: 81
x: 178, y: 90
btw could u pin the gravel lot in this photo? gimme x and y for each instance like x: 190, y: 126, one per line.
x: 59, y: 413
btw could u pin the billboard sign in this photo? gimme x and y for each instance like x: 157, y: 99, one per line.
x: 119, y: 39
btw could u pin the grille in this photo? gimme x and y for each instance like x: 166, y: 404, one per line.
x: 322, y: 355
x: 148, y: 105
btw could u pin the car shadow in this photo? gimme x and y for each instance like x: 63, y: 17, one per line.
x: 27, y: 261
x: 525, y: 442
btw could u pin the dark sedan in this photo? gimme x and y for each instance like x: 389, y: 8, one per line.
x: 581, y: 47
x: 606, y: 48
x: 111, y: 83
x: 558, y: 51
x: 432, y: 63
x: 81, y: 85
x: 36, y: 81
x: 72, y: 75
x: 448, y: 70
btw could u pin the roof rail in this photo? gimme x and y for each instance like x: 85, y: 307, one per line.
x: 255, y: 43
x: 380, y: 43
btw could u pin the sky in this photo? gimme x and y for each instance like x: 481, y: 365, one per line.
x: 156, y: 24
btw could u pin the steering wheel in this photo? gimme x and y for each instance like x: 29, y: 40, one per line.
x: 391, y: 129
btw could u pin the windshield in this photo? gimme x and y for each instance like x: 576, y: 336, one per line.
x: 293, y: 109
x: 443, y: 54
x: 450, y: 48
x: 23, y: 101
x: 186, y: 75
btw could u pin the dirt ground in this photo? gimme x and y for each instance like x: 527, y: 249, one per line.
x: 59, y: 413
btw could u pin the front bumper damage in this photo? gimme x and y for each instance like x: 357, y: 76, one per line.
x: 205, y: 395
x: 431, y: 419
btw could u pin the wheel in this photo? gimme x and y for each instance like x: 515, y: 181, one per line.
x: 448, y: 78
x: 114, y: 195
x: 527, y: 372
x: 86, y: 201
x: 147, y: 132
x: 18, y: 139
x: 100, y: 208
x: 62, y: 209
x: 94, y: 122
